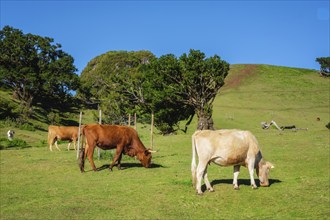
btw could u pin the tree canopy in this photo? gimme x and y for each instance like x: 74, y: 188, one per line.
x: 162, y: 93
x: 192, y: 82
x: 173, y: 88
x: 113, y: 81
x: 324, y: 65
x: 35, y: 68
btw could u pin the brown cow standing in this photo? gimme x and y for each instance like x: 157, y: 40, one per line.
x: 124, y: 139
x: 64, y: 133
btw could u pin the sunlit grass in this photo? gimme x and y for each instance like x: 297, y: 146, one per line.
x: 38, y: 184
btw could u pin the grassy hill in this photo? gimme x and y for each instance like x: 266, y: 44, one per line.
x: 52, y: 184
x: 286, y: 95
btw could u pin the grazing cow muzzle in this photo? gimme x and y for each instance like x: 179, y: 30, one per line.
x: 266, y: 183
x: 263, y: 180
x: 146, y: 164
x: 146, y: 158
x: 263, y: 173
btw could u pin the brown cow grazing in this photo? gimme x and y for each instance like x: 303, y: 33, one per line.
x: 227, y: 148
x: 124, y: 139
x: 64, y: 133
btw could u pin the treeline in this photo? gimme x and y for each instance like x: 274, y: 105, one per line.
x: 39, y: 72
x: 36, y: 69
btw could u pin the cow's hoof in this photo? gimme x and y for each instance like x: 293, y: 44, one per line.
x: 254, y: 187
x: 236, y: 188
x: 211, y: 190
x: 199, y: 193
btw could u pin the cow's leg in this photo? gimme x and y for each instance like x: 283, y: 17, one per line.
x: 236, y: 173
x: 251, y: 171
x: 90, y: 153
x: 207, y: 183
x: 51, y: 141
x: 57, y: 146
x: 117, y: 157
x: 199, y: 174
x: 83, y: 156
x: 69, y: 145
x: 74, y: 144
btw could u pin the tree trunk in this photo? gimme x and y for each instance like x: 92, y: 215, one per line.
x: 205, y: 121
x: 26, y: 102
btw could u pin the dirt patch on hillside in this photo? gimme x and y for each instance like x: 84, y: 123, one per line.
x: 238, y: 73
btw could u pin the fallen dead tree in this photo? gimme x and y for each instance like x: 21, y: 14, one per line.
x: 265, y: 125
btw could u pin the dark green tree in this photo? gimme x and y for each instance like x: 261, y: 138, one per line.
x: 35, y: 68
x: 324, y: 66
x: 201, y: 81
x: 113, y: 81
x: 124, y: 82
x: 174, y: 89
x: 162, y: 93
x: 191, y: 82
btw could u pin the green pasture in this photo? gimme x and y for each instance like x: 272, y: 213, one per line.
x: 39, y: 184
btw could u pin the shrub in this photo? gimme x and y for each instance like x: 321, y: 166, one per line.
x: 27, y: 127
x: 16, y: 143
x: 42, y: 143
x: 8, y: 109
x: 8, y: 122
x: 53, y: 118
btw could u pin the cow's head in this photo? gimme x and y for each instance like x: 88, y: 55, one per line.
x: 145, y: 158
x: 263, y: 169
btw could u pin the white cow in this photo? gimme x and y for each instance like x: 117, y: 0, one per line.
x: 227, y: 148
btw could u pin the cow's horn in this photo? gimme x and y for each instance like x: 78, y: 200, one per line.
x: 152, y: 151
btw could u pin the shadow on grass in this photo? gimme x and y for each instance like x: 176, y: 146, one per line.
x: 245, y: 182
x: 125, y: 166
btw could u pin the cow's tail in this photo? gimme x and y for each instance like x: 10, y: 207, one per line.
x: 193, y: 161
x: 82, y: 150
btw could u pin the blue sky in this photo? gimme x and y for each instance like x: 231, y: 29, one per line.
x: 284, y: 33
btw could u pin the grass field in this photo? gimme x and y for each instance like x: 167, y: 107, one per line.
x: 38, y: 184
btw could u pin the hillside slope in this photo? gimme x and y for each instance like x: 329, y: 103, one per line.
x: 53, y: 185
x: 256, y: 93
x: 252, y: 93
